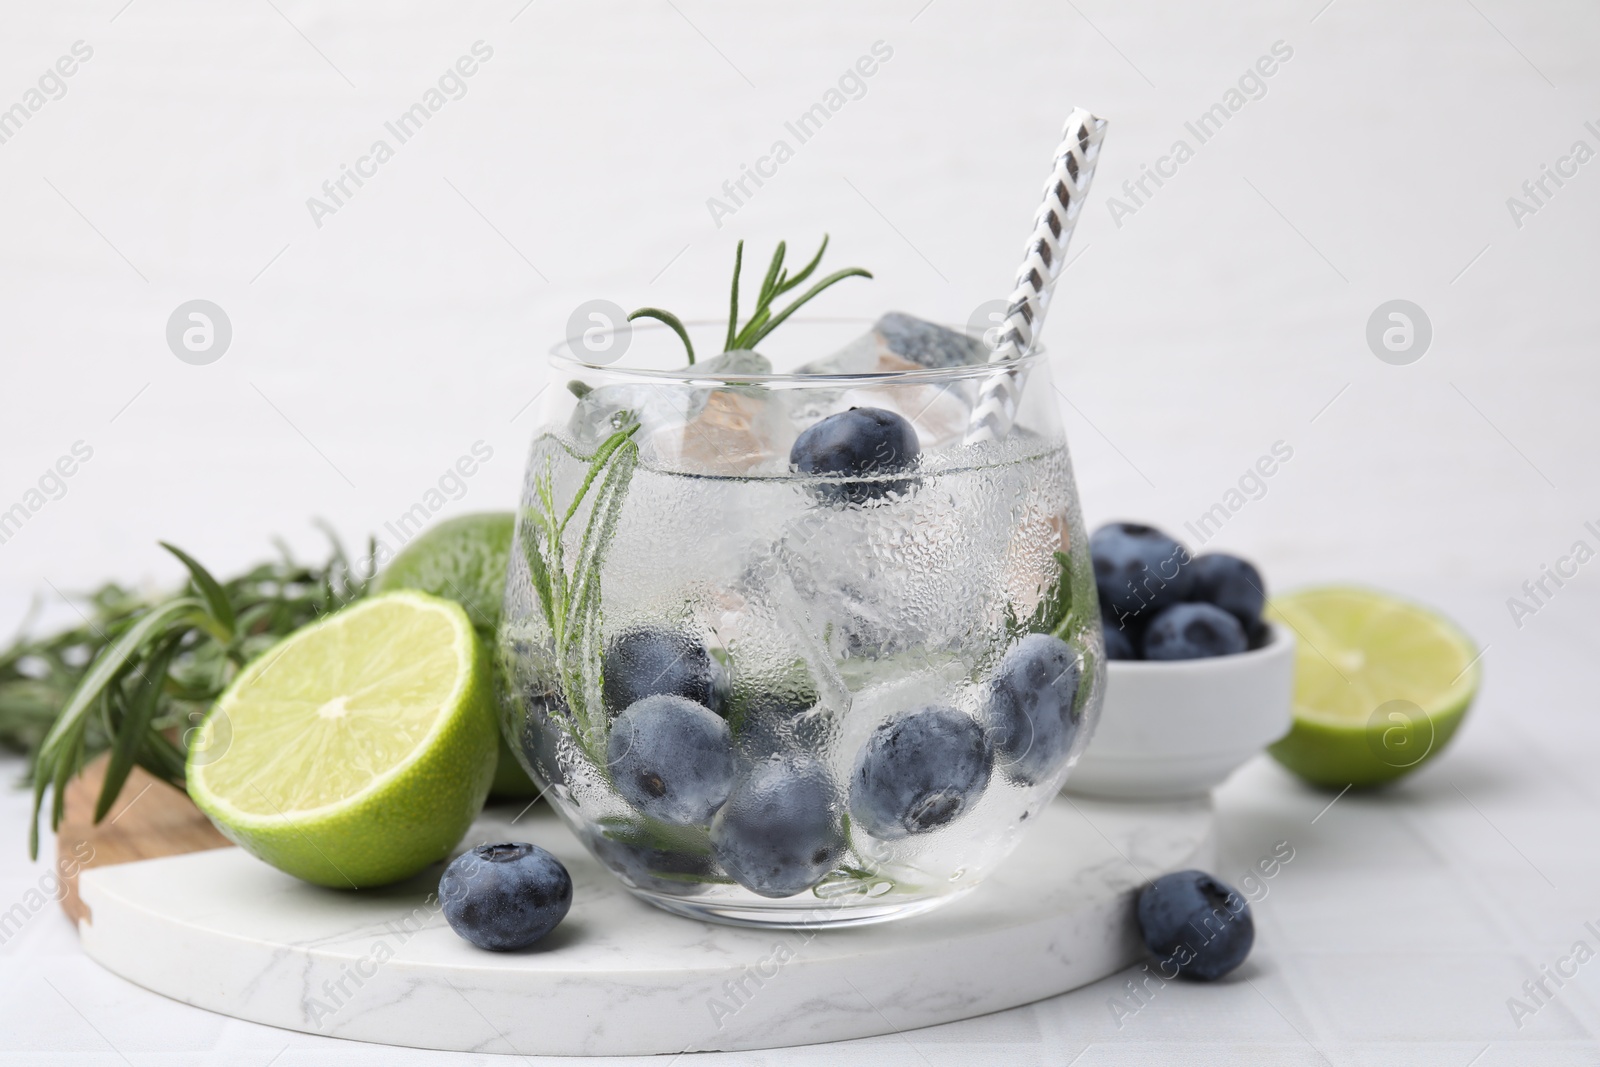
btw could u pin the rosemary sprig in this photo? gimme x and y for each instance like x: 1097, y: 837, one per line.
x: 137, y: 676
x: 763, y: 320
x: 570, y: 602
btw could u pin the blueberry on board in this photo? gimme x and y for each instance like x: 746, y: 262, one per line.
x: 861, y: 444
x: 1193, y: 631
x: 1195, y: 925
x: 658, y: 870
x: 647, y: 661
x: 1031, y: 700
x: 779, y: 833
x: 1119, y: 641
x: 920, y: 770
x: 1231, y: 583
x: 505, y: 897
x: 672, y: 759
x: 1138, y: 570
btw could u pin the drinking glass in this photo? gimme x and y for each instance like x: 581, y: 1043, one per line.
x: 768, y: 697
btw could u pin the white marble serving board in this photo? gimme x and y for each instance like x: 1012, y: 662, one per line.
x: 223, y: 931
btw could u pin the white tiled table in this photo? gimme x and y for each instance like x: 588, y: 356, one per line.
x: 1226, y: 313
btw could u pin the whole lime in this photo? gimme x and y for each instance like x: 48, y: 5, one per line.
x: 464, y: 559
x: 461, y: 559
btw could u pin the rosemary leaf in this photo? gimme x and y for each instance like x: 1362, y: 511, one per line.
x: 672, y: 322
x: 754, y: 336
x: 769, y: 284
x: 733, y: 300
x: 216, y: 599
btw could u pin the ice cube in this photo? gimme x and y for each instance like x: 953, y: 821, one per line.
x: 899, y: 342
x: 897, y: 339
x: 738, y: 430
x: 734, y: 361
x: 1030, y: 566
x: 911, y: 573
x: 603, y: 411
x: 777, y: 649
x: 730, y: 430
x: 938, y: 412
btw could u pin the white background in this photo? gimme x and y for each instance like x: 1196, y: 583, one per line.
x: 1226, y: 313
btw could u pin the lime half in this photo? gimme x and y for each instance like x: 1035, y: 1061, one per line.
x: 1380, y: 685
x: 464, y: 559
x: 357, y: 750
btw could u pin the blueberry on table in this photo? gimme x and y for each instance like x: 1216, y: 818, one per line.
x: 505, y: 897
x: 862, y: 443
x: 1231, y: 583
x: 1138, y: 570
x: 920, y: 770
x: 1195, y: 925
x: 646, y: 662
x: 658, y: 870
x: 1031, y: 702
x: 672, y: 759
x: 1193, y: 631
x: 779, y: 832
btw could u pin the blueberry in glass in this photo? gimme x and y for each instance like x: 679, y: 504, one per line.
x: 1032, y: 706
x: 919, y: 770
x: 861, y: 445
x: 779, y: 833
x: 672, y: 759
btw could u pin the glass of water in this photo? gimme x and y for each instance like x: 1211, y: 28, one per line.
x: 783, y: 648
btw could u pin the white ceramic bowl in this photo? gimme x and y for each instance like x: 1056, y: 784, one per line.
x: 1179, y: 728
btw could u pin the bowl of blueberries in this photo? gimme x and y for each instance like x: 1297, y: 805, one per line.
x: 1197, y: 681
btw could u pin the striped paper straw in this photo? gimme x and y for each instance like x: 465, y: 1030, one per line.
x: 1047, y: 249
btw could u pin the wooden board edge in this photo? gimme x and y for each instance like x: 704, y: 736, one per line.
x: 149, y: 819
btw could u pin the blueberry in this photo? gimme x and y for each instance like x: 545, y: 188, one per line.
x: 1138, y: 570
x: 1231, y: 583
x: 672, y: 759
x: 1031, y: 701
x: 649, y: 661
x: 1195, y: 924
x: 655, y: 869
x: 776, y: 732
x: 1119, y: 640
x: 779, y: 833
x: 861, y: 443
x: 769, y: 712
x: 1193, y: 631
x: 541, y: 732
x: 505, y: 897
x: 919, y: 770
